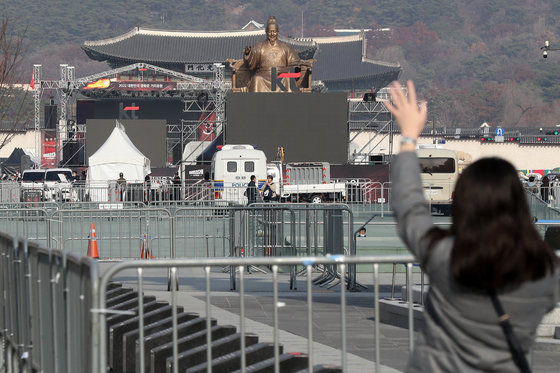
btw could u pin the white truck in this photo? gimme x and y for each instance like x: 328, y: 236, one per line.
x: 307, y: 182
x: 233, y: 166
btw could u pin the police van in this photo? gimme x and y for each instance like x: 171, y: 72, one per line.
x: 232, y: 167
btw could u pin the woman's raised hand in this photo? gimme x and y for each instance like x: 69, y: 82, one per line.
x: 410, y: 117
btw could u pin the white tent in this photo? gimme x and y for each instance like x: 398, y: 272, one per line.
x: 118, y: 154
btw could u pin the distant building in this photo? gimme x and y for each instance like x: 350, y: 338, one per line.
x: 341, y: 64
x: 253, y: 25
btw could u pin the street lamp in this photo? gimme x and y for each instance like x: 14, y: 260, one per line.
x: 547, y: 48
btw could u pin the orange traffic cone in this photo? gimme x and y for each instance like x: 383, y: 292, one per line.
x: 92, y: 244
x: 146, y: 252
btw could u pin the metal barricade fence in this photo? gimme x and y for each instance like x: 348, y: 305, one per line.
x: 76, y: 205
x: 266, y: 229
x: 120, y: 233
x: 32, y: 223
x: 191, y: 203
x: 201, y: 231
x: 47, y: 318
x: 369, y: 196
x: 270, y: 229
x: 47, y: 206
x: 539, y: 208
x: 240, y: 264
x: 9, y: 191
x: 53, y: 316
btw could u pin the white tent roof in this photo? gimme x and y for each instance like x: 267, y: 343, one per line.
x: 118, y: 154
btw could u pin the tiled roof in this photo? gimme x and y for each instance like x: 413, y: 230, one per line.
x: 339, y: 59
x: 157, y: 46
x: 342, y: 58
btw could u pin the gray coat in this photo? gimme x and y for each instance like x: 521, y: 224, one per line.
x: 461, y: 329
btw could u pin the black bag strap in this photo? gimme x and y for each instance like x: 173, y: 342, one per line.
x: 503, y: 319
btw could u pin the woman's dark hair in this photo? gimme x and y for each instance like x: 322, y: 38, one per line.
x: 496, y: 243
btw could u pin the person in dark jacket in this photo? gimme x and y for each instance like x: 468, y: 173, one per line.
x: 176, y: 187
x: 121, y: 187
x: 269, y: 190
x: 545, y: 188
x: 148, y: 196
x: 491, y: 254
x: 251, y: 191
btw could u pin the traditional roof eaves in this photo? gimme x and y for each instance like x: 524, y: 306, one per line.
x: 254, y: 23
x: 112, y: 49
x: 355, y: 30
x: 358, y: 77
x: 179, y: 34
x: 382, y: 63
x: 116, y: 39
x: 302, y: 42
x: 338, y: 39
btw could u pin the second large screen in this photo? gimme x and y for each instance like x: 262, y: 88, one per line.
x: 311, y: 127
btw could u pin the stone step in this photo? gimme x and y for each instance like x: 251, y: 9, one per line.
x: 232, y: 361
x: 288, y: 363
x: 117, y: 331
x: 220, y: 347
x: 130, y: 338
x: 160, y: 355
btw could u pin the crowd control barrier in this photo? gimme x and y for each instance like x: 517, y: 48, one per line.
x: 48, y: 320
x: 54, y: 314
x: 210, y: 266
x: 57, y: 310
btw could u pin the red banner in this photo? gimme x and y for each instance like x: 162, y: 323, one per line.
x: 207, y: 127
x: 48, y: 156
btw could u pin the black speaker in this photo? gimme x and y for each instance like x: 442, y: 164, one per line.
x: 73, y: 154
x: 376, y: 159
x: 51, y: 116
x: 369, y: 96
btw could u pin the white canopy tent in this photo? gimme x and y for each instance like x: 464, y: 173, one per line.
x: 118, y: 154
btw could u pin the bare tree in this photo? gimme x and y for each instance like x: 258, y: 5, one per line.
x: 16, y: 106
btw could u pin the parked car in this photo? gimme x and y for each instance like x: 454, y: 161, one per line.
x: 58, y: 184
x: 32, y: 185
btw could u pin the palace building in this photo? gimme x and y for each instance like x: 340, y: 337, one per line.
x: 341, y: 61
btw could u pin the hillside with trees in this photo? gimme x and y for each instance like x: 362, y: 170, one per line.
x: 474, y: 61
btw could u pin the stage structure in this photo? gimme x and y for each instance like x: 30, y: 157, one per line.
x: 369, y: 114
x: 204, y: 98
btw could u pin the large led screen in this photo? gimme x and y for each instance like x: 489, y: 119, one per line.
x: 311, y: 127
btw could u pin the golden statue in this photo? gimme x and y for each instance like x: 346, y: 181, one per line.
x: 271, y: 66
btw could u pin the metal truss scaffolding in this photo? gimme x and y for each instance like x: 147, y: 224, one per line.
x: 207, y: 109
x: 188, y: 86
x: 369, y: 117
